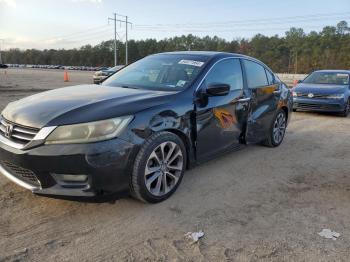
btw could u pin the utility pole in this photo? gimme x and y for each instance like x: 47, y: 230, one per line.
x: 0, y: 51
x: 127, y: 23
x: 296, y: 62
x: 126, y: 40
x: 115, y: 38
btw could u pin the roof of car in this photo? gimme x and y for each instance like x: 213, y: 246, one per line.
x: 213, y: 54
x: 334, y: 71
x: 204, y: 53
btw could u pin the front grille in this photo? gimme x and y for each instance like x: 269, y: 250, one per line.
x: 23, y: 174
x: 17, y: 133
x: 318, y: 96
x: 311, y: 106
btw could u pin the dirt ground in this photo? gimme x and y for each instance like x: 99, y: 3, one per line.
x: 256, y: 204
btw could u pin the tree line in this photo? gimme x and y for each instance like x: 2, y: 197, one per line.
x: 295, y: 52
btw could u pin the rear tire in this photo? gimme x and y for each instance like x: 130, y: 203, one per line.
x: 159, y: 167
x: 294, y: 109
x: 277, y: 130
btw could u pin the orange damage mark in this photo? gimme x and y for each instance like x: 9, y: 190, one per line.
x: 226, y: 119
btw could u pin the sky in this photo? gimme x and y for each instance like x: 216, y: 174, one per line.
x: 45, y: 24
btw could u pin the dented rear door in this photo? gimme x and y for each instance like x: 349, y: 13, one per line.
x: 265, y: 95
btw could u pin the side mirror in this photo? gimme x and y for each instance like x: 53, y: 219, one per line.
x: 300, y: 81
x: 218, y: 89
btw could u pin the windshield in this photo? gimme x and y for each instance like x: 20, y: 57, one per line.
x: 167, y: 72
x: 116, y: 68
x: 330, y: 78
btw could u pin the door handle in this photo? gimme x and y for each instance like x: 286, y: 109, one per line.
x: 242, y: 100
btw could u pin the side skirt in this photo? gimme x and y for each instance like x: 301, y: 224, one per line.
x: 221, y: 153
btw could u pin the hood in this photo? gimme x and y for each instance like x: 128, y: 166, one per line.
x: 320, y: 89
x: 79, y: 104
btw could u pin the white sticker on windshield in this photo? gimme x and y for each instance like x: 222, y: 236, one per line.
x: 191, y: 62
x: 181, y: 83
x: 342, y: 75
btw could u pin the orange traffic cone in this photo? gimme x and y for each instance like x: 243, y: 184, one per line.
x: 65, y: 76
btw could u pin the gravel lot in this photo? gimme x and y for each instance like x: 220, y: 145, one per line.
x: 255, y: 204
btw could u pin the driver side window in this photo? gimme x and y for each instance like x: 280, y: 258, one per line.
x: 226, y: 72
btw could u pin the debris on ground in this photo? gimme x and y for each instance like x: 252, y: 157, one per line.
x: 327, y: 233
x: 194, y: 236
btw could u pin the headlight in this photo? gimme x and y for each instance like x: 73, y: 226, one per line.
x: 336, y: 96
x: 295, y: 94
x: 88, y: 132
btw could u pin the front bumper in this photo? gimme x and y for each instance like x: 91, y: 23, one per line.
x: 320, y: 105
x: 106, y: 164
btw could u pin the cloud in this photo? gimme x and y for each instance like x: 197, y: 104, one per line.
x: 10, y: 3
x: 87, y: 1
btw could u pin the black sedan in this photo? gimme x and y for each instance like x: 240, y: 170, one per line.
x: 143, y: 127
x: 324, y: 91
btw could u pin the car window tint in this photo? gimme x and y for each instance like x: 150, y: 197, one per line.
x: 269, y: 77
x: 256, y: 75
x: 226, y: 72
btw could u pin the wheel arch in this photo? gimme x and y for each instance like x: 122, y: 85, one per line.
x: 285, y: 109
x: 186, y: 140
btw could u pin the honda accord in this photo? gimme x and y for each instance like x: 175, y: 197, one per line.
x: 142, y: 127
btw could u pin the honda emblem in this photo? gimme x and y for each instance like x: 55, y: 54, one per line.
x: 8, y: 130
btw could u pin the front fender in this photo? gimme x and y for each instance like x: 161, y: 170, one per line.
x: 178, y: 120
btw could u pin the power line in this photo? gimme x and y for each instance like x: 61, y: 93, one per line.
x: 223, y: 30
x: 226, y: 29
x: 87, y: 30
x: 227, y: 25
x: 91, y: 37
x: 254, y: 21
x: 81, y: 36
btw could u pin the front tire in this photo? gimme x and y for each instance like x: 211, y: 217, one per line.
x: 277, y: 130
x: 158, y: 168
x: 347, y: 109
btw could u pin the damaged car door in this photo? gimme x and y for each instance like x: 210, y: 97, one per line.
x: 221, y: 109
x: 265, y: 94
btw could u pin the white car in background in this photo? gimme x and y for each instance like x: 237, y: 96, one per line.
x: 101, y: 75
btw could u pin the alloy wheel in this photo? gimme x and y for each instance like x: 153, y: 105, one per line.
x: 279, y: 128
x: 163, y: 168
